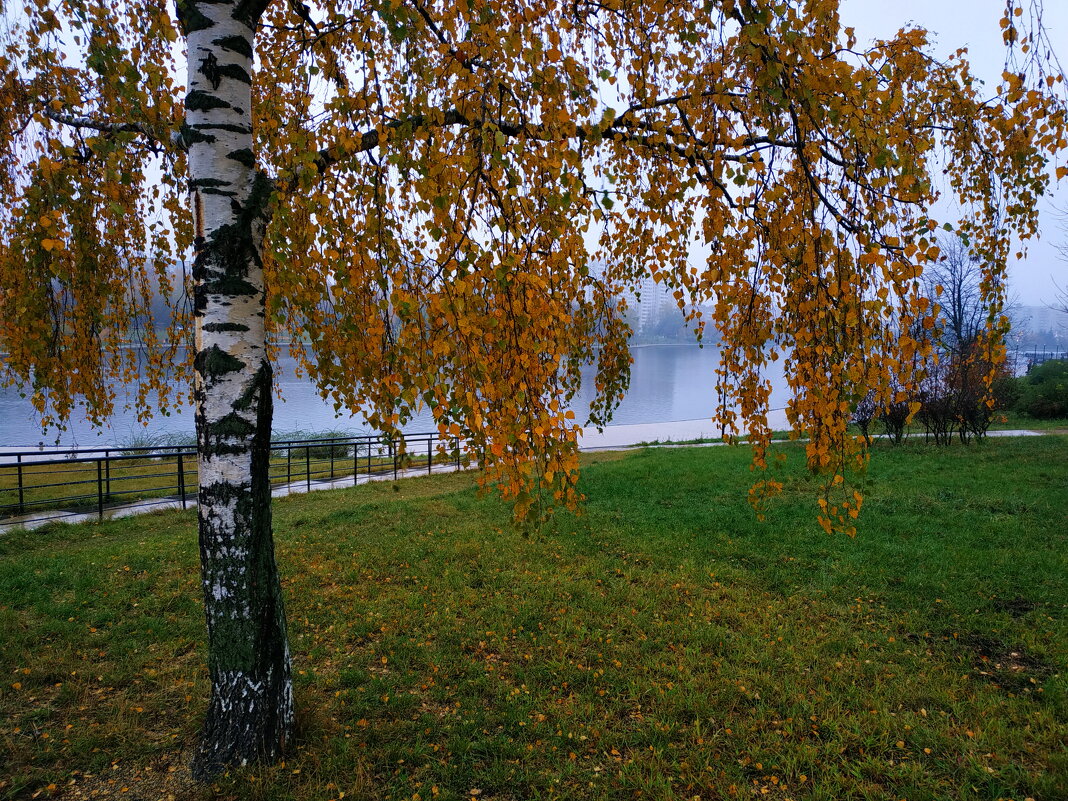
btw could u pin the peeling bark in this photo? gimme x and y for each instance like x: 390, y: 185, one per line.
x: 250, y: 715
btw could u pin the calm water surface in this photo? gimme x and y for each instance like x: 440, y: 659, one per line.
x: 668, y: 382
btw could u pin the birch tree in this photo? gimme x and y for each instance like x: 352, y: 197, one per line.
x: 413, y: 191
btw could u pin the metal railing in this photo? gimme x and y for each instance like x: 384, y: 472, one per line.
x: 45, y: 485
x: 1033, y: 358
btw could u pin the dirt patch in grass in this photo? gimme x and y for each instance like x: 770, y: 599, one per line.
x: 1009, y: 666
x: 166, y: 778
x: 1017, y: 607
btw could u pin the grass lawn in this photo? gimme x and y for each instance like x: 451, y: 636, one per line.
x: 663, y: 645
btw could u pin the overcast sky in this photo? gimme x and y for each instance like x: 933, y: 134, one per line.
x: 974, y: 24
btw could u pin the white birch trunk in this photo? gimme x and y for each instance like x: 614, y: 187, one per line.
x: 250, y: 716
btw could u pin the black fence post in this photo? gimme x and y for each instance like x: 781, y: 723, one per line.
x: 289, y: 465
x: 355, y: 460
x: 429, y: 455
x: 307, y: 466
x: 181, y: 478
x: 332, y: 445
x: 107, y: 474
x: 393, y: 453
x: 100, y: 489
x: 22, y: 498
x: 368, y: 458
x: 457, y: 453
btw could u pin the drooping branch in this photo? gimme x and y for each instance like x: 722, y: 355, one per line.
x: 84, y: 123
x: 695, y: 152
x: 369, y: 140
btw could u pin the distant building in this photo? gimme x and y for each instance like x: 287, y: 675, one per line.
x: 1043, y: 319
x: 645, y: 302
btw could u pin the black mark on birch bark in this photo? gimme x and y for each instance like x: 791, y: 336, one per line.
x: 220, y: 327
x: 214, y: 362
x: 235, y: 44
x: 192, y: 134
x: 234, y: 72
x: 222, y: 126
x: 199, y: 100
x: 243, y: 156
x: 190, y: 18
x: 209, y: 68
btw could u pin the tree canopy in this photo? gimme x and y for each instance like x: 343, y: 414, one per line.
x: 412, y: 191
x: 441, y: 174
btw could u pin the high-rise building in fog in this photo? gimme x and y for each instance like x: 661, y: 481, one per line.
x: 645, y: 303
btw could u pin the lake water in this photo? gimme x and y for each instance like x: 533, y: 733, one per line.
x: 668, y: 383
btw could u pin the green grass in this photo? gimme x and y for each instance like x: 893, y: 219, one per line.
x: 663, y: 645
x: 776, y: 436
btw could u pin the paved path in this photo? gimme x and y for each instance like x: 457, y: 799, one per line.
x: 610, y: 438
x: 662, y: 433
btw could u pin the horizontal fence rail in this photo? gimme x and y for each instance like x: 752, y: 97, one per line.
x: 43, y: 485
x: 1036, y: 357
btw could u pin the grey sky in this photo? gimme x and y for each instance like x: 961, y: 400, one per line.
x: 974, y: 24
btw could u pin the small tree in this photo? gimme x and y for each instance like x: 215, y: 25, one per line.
x: 954, y: 282
x: 895, y: 416
x: 967, y: 345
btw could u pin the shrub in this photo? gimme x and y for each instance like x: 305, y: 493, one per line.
x: 895, y: 418
x: 938, y: 415
x: 974, y: 402
x: 149, y: 443
x: 1007, y: 390
x: 1044, y: 390
x: 318, y: 450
